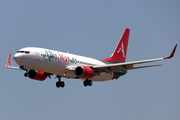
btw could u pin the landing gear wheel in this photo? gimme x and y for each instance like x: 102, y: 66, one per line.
x: 58, y: 84
x: 25, y: 74
x: 85, y: 83
x: 90, y: 82
x: 62, y: 84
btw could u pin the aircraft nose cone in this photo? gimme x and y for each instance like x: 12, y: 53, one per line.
x: 17, y: 58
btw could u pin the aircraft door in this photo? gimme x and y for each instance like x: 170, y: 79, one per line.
x: 37, y: 55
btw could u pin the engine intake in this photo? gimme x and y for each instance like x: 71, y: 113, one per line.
x: 84, y: 72
x: 37, y: 75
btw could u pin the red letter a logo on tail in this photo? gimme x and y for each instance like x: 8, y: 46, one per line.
x: 119, y: 54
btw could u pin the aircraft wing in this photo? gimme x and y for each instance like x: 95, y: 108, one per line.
x: 129, y: 65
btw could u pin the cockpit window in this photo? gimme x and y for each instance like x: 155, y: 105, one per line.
x: 27, y: 52
x: 20, y: 51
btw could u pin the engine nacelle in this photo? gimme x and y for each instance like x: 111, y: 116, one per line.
x: 84, y: 72
x: 37, y: 75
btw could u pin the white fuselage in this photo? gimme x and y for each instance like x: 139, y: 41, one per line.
x: 56, y: 62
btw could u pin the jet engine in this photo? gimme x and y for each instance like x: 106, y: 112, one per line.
x: 36, y: 75
x: 84, y: 72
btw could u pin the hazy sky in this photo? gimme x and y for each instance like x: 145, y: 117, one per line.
x: 92, y: 29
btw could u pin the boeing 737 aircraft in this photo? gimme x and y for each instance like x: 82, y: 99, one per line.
x: 40, y: 63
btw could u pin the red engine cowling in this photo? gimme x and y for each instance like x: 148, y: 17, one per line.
x: 84, y: 72
x: 37, y: 75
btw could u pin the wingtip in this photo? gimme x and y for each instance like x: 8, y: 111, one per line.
x: 127, y: 29
x: 172, y: 54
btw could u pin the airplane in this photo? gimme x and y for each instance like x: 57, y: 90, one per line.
x: 40, y: 63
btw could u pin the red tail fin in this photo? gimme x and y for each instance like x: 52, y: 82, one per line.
x: 119, y: 54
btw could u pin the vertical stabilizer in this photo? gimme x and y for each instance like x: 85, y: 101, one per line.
x: 119, y: 54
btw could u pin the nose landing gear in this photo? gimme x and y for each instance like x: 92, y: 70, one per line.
x: 26, y: 74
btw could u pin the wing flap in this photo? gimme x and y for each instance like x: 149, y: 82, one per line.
x: 144, y: 66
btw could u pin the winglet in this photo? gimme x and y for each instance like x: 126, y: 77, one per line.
x: 8, y: 64
x: 8, y: 61
x: 172, y: 54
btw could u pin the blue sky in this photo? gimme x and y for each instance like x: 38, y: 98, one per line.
x: 92, y: 29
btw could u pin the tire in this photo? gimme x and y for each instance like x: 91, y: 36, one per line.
x: 90, y: 82
x: 25, y: 74
x: 62, y: 84
x: 85, y: 83
x: 58, y: 84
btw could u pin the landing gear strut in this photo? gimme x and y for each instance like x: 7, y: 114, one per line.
x: 87, y: 82
x: 60, y: 83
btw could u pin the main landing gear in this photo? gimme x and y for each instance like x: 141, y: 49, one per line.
x: 87, y: 82
x: 60, y: 83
